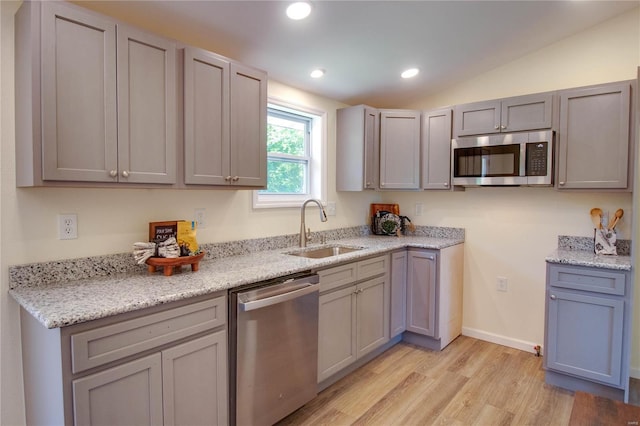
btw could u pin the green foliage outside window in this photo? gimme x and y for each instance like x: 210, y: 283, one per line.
x: 286, y: 175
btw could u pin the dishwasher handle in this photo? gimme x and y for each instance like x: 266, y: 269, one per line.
x: 295, y: 289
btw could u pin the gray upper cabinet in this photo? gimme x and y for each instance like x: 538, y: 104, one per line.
x: 530, y: 112
x: 146, y: 107
x: 103, y: 118
x: 399, y: 149
x: 436, y: 149
x: 594, y: 150
x: 206, y: 117
x: 248, y: 131
x: 357, y: 148
x: 79, y: 123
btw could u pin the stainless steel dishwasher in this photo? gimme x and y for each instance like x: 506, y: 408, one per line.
x: 273, y: 344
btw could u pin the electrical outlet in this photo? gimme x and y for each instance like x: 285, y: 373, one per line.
x: 501, y: 284
x: 418, y: 209
x: 200, y: 216
x: 331, y: 208
x: 67, y: 226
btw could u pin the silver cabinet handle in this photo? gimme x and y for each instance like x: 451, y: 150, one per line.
x: 552, y: 297
x: 503, y: 127
x: 496, y: 127
x: 431, y: 257
x: 227, y: 178
x: 235, y: 178
x: 368, y: 184
x: 446, y: 184
x: 561, y: 183
x: 113, y: 173
x: 125, y: 173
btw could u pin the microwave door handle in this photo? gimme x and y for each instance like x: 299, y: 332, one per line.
x: 523, y: 159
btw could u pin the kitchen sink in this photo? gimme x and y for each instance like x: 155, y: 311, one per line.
x: 322, y: 252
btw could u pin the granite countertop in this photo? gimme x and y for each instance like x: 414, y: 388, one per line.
x: 588, y: 258
x: 64, y: 303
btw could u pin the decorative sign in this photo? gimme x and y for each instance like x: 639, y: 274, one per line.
x: 161, y: 231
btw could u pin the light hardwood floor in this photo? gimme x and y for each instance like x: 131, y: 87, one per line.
x: 471, y: 382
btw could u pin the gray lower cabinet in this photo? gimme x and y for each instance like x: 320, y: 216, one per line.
x: 399, y: 149
x: 398, y: 281
x: 434, y: 296
x: 436, y: 149
x: 96, y: 99
x: 225, y: 106
x: 166, y: 366
x: 354, y: 313
x: 594, y: 138
x: 529, y: 112
x: 357, y: 148
x: 587, y: 329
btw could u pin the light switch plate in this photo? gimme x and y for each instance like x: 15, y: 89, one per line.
x: 331, y: 208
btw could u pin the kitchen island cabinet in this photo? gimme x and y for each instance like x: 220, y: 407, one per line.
x: 354, y: 313
x: 96, y: 99
x: 595, y: 148
x: 588, y: 329
x: 165, y: 365
x: 434, y: 296
x: 225, y: 114
x: 520, y: 113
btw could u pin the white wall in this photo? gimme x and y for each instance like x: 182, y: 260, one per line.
x: 509, y: 231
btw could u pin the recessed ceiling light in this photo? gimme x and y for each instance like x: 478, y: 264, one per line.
x: 317, y: 73
x: 299, y: 10
x: 411, y: 72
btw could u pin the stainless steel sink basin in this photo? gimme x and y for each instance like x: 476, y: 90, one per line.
x: 322, y: 252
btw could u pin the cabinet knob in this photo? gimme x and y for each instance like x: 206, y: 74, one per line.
x: 496, y: 127
x: 235, y: 178
x: 561, y: 183
x: 503, y: 127
x: 227, y: 178
x: 113, y: 173
x: 125, y: 174
x: 446, y: 184
x: 368, y: 184
x: 552, y: 297
x: 431, y: 258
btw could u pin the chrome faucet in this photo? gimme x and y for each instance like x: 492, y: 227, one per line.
x: 305, y: 235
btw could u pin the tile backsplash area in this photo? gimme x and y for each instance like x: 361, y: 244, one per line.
x: 566, y: 242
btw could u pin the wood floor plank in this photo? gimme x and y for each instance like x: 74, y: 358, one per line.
x: 469, y: 382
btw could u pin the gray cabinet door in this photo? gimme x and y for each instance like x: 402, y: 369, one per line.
x: 146, y: 107
x: 594, y: 137
x: 421, y: 293
x: 372, y: 315
x: 336, y: 331
x: 206, y: 118
x: 398, y: 274
x: 436, y: 149
x: 530, y: 112
x: 357, y: 148
x: 248, y: 166
x: 79, y: 127
x: 585, y: 335
x: 399, y: 149
x: 195, y: 382
x: 129, y: 394
x: 477, y: 118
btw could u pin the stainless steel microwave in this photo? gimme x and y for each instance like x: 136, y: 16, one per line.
x: 504, y: 159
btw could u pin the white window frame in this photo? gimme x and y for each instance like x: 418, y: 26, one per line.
x: 317, y: 185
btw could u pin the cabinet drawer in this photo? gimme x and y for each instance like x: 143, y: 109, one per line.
x: 587, y: 279
x: 372, y: 267
x: 337, y: 277
x: 99, y: 346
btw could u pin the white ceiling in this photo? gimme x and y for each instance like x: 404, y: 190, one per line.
x: 364, y: 45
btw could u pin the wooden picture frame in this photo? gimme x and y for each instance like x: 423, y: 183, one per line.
x: 161, y: 231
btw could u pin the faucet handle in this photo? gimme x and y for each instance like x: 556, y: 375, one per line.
x: 308, y: 234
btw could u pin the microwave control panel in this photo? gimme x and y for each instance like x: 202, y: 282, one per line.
x: 537, y: 158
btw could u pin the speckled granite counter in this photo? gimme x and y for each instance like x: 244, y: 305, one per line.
x: 64, y: 303
x: 578, y: 251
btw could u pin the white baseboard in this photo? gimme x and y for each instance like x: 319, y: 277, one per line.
x: 500, y: 340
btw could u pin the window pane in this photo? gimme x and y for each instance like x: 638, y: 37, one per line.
x: 286, y: 177
x: 286, y: 136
